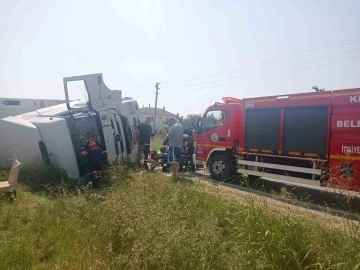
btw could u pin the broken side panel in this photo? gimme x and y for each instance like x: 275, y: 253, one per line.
x: 306, y: 130
x: 262, y: 128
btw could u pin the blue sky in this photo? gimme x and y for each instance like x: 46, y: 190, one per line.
x: 199, y: 50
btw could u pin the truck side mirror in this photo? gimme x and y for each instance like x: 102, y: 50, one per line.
x: 198, y: 125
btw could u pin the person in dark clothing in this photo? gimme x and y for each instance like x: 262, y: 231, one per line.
x: 188, y: 131
x: 144, y: 133
x: 189, y: 151
x: 166, y: 141
x: 97, y: 159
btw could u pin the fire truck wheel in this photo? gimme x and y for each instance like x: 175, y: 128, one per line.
x: 220, y: 167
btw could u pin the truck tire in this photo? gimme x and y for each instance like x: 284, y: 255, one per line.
x: 221, y: 167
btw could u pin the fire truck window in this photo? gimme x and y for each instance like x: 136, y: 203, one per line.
x: 214, y: 119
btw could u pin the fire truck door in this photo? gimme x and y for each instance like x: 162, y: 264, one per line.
x: 215, y: 129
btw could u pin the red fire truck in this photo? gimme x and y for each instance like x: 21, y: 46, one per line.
x: 313, y: 136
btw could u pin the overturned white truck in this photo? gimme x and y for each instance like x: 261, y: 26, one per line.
x: 56, y: 134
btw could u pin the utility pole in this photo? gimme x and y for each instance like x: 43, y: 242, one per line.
x: 156, y: 98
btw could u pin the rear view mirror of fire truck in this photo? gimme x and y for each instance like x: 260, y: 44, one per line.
x: 198, y: 125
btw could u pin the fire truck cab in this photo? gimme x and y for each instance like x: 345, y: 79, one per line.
x: 217, y: 136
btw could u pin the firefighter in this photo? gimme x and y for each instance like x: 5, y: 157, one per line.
x: 97, y: 159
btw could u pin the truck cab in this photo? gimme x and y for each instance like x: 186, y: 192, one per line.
x: 217, y: 137
x: 57, y: 134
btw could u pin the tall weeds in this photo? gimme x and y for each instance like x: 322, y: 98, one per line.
x: 149, y: 221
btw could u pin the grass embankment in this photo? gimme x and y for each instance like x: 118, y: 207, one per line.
x: 149, y: 221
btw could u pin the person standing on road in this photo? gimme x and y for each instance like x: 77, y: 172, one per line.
x: 144, y: 133
x: 175, y: 144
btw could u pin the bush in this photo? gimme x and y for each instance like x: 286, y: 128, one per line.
x: 37, y: 176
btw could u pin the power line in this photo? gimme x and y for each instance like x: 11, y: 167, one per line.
x: 259, y: 72
x: 260, y: 65
x: 278, y: 74
x: 275, y: 61
x: 140, y: 91
x: 148, y: 94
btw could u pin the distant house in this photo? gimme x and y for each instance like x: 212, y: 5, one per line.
x: 161, y: 117
x: 16, y: 106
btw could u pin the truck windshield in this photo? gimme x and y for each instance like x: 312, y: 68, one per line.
x: 214, y: 119
x: 83, y: 128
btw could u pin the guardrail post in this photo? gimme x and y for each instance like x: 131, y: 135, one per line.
x: 314, y: 167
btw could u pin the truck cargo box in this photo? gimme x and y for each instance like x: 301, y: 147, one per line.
x: 306, y: 129
x: 262, y: 129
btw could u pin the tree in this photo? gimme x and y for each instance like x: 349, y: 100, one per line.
x: 190, y: 121
x: 210, y: 121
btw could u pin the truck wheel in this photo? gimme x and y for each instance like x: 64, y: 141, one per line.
x: 220, y: 167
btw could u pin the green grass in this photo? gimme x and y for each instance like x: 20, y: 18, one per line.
x: 157, y: 142
x: 150, y: 221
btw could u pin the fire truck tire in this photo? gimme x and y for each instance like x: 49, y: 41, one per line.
x: 221, y: 167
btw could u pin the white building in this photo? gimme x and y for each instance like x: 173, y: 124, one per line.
x: 16, y: 106
x: 161, y: 117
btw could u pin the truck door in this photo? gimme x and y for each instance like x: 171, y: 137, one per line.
x: 215, y: 130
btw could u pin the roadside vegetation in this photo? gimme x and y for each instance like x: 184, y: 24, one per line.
x: 156, y: 143
x: 150, y: 221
